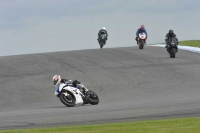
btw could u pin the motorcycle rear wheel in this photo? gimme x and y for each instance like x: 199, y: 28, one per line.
x: 93, y: 98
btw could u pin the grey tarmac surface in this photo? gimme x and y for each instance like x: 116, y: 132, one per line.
x: 132, y: 85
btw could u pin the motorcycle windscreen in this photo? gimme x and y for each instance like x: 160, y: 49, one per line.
x: 142, y: 35
x: 172, y: 41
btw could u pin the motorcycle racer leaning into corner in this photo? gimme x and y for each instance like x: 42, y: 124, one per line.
x: 57, y: 80
x: 141, y: 30
x: 102, y: 31
x: 170, y: 34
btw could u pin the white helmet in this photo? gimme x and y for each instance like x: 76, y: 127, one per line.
x: 104, y: 28
x: 56, y: 79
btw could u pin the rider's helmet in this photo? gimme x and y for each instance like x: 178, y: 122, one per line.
x: 104, y: 28
x: 142, y: 27
x: 171, y: 31
x: 56, y: 79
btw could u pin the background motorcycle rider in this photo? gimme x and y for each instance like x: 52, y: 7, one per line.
x: 140, y: 30
x: 102, y: 31
x: 170, y: 34
x: 57, y: 80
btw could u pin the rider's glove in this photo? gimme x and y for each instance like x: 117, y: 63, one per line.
x: 80, y: 85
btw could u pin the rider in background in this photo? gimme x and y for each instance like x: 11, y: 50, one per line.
x: 57, y: 80
x: 170, y: 34
x: 140, y: 30
x: 102, y: 31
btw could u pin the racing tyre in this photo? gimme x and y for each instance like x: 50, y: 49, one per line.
x: 69, y: 100
x: 92, y: 97
x: 141, y: 44
x: 173, y: 52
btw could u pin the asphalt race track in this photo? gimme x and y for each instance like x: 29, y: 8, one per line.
x: 132, y: 85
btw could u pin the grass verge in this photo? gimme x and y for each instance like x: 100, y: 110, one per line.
x: 180, y: 125
x: 193, y: 43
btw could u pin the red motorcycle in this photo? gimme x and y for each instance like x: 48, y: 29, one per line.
x: 142, y: 40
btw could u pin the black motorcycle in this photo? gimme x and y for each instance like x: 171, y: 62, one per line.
x: 102, y: 40
x: 172, y: 47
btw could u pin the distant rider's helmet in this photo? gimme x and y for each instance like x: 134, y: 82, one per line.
x: 142, y: 27
x: 104, y: 28
x: 171, y: 32
x: 56, y: 79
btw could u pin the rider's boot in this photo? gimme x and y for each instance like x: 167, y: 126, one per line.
x: 85, y: 90
x: 136, y: 39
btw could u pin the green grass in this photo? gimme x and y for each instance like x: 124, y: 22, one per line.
x: 194, y: 43
x: 181, y: 125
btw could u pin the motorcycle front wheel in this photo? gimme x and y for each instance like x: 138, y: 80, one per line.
x: 141, y: 44
x: 68, y: 100
x: 173, y: 53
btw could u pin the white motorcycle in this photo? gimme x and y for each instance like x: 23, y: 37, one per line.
x: 71, y: 96
x: 142, y: 40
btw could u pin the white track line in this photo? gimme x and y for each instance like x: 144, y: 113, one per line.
x: 188, y: 48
